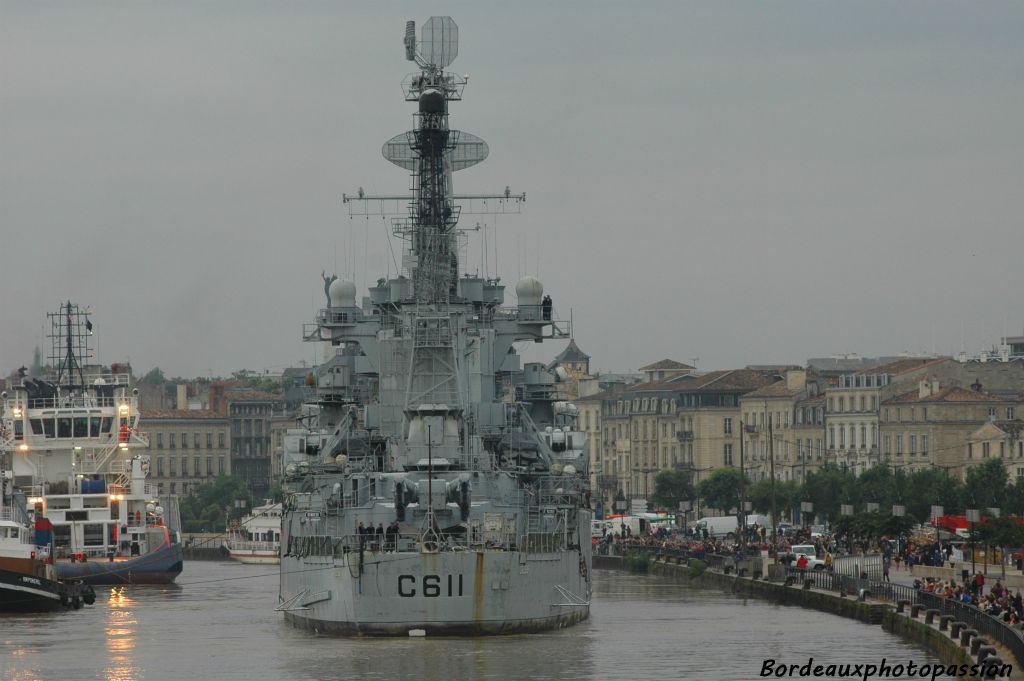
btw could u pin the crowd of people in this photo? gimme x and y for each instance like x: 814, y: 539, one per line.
x: 901, y: 553
x: 999, y: 601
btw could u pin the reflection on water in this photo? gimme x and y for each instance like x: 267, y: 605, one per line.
x: 120, y: 635
x: 220, y: 623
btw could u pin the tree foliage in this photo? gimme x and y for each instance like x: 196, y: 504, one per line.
x: 671, y: 487
x: 721, y: 489
x: 155, y: 376
x: 985, y: 486
x: 205, y: 510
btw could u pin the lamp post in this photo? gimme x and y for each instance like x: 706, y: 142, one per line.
x: 684, y: 508
x: 806, y: 507
x: 936, y: 514
x: 748, y: 506
x: 972, y: 517
x: 994, y: 512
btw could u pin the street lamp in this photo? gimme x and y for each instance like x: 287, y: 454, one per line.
x: 937, y: 512
x: 684, y: 508
x: 806, y: 507
x: 972, y: 517
x: 994, y: 512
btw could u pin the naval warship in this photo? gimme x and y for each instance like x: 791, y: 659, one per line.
x: 438, y: 486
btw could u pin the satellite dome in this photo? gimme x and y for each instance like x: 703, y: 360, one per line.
x: 432, y: 101
x: 529, y: 291
x: 342, y: 293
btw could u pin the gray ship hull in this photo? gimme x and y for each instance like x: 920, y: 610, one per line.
x: 466, y: 593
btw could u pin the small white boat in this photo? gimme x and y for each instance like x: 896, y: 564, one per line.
x: 256, y: 539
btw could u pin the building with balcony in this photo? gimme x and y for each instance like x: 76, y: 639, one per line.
x: 949, y: 427
x: 851, y: 409
x: 187, y: 448
x: 772, y: 442
x: 252, y: 414
x: 684, y: 422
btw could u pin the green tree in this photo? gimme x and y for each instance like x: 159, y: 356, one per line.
x: 759, y: 494
x: 986, y: 485
x: 721, y: 489
x: 928, y: 487
x: 206, y: 508
x: 671, y: 487
x: 155, y: 376
x: 828, y: 488
x: 876, y: 484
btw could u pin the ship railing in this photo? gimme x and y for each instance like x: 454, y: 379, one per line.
x: 247, y: 545
x: 76, y: 401
x: 329, y: 317
x: 542, y: 542
x: 17, y: 515
x: 401, y: 542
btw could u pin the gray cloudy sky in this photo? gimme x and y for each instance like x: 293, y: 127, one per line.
x: 741, y: 182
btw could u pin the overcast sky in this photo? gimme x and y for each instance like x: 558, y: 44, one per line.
x: 739, y: 182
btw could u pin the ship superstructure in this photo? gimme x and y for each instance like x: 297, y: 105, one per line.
x: 72, y: 438
x: 437, y: 484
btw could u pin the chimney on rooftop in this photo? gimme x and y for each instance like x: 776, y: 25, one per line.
x: 182, y: 397
x: 924, y: 389
x: 796, y: 379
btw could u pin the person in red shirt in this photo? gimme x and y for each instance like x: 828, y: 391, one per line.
x: 801, y: 563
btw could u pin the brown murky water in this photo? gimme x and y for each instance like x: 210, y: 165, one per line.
x: 220, y: 623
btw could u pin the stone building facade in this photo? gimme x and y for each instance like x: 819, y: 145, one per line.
x: 187, y: 448
x: 945, y: 427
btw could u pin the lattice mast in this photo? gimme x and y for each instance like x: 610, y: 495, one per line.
x: 432, y: 152
x: 70, y: 344
x: 433, y: 218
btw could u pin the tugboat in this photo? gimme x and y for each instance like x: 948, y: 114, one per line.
x: 70, y: 438
x: 256, y: 539
x: 28, y: 580
x: 443, y: 488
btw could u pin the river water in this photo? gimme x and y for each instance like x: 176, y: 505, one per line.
x: 220, y: 623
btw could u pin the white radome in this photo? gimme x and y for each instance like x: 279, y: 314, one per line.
x: 342, y: 293
x: 529, y: 291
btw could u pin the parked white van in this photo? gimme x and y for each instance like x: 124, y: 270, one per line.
x: 726, y: 526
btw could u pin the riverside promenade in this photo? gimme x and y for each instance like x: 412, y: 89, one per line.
x: 957, y: 633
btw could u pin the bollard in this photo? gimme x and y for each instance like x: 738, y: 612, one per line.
x: 944, y: 622
x: 728, y: 569
x: 965, y: 636
x: 992, y: 666
x: 808, y: 583
x: 901, y: 604
x: 985, y: 651
x: 789, y: 581
x: 914, y: 609
x: 743, y: 572
x: 929, y: 615
x: 954, y: 630
x: 977, y: 644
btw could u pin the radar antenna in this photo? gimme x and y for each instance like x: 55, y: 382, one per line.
x: 432, y: 152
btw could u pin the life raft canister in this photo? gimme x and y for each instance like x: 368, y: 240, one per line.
x: 124, y: 434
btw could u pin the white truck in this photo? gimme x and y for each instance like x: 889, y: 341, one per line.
x: 813, y: 562
x: 726, y: 526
